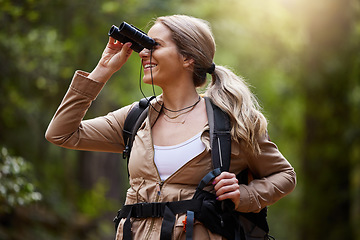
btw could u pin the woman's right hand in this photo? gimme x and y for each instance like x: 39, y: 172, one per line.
x: 113, y: 58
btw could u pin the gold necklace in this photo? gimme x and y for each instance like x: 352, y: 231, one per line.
x: 178, y: 115
x: 171, y: 118
x: 181, y: 122
x: 191, y: 106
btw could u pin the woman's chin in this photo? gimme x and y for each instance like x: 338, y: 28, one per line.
x: 147, y: 80
x: 150, y: 79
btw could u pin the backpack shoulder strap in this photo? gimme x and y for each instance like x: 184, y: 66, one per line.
x: 220, y: 137
x: 220, y: 142
x: 132, y: 123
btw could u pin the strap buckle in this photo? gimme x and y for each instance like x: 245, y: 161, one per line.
x: 144, y: 210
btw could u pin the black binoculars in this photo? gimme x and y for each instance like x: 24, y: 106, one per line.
x: 129, y: 33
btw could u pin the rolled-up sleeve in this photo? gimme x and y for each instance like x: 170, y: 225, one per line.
x: 274, y: 178
x: 68, y: 129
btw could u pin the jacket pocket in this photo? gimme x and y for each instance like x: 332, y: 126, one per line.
x: 135, y: 192
x: 179, y: 232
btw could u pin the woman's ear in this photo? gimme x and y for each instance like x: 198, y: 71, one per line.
x: 188, y: 62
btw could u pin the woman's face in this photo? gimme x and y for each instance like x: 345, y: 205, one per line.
x: 166, y: 65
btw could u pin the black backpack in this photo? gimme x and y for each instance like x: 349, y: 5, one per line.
x: 218, y: 216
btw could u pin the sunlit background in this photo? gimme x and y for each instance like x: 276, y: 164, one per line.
x: 300, y: 57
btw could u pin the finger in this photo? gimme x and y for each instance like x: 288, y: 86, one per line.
x: 227, y: 189
x: 113, y: 45
x: 126, y: 51
x: 229, y: 195
x: 111, y: 40
x: 224, y: 175
x: 233, y: 196
x: 224, y: 182
x: 127, y: 46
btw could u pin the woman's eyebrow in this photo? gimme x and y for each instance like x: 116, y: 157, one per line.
x: 158, y: 40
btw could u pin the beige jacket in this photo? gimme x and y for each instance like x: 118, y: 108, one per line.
x: 275, y: 177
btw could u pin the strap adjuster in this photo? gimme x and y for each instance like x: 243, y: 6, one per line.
x: 144, y: 210
x: 157, y: 210
x: 138, y: 210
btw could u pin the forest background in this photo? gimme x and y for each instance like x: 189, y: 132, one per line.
x: 301, y: 58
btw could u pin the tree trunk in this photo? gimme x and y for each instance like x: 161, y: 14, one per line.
x: 94, y: 166
x: 326, y: 165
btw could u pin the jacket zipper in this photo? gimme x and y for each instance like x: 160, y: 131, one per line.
x: 160, y: 185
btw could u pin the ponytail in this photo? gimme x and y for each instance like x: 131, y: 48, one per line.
x: 230, y: 92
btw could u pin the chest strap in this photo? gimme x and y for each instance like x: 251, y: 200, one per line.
x: 166, y: 210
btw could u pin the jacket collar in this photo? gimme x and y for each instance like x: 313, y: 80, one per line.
x: 155, y: 109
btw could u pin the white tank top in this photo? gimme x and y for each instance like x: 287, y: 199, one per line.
x: 168, y: 159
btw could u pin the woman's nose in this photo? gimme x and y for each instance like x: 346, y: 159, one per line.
x: 145, y: 52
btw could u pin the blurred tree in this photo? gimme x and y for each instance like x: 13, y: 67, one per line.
x: 16, y: 187
x: 301, y: 59
x: 41, y: 45
x: 330, y: 59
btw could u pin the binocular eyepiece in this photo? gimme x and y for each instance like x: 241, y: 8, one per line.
x: 129, y: 33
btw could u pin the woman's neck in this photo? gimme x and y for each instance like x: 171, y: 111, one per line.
x: 177, y: 100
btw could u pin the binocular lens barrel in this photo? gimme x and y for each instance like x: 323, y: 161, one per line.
x: 115, y: 33
x: 127, y: 33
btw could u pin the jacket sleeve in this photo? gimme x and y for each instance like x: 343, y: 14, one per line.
x: 68, y: 129
x: 274, y: 178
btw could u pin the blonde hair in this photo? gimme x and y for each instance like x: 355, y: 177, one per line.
x: 228, y: 91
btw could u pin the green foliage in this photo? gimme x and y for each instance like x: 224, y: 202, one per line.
x: 299, y: 57
x: 15, y: 188
x: 96, y: 196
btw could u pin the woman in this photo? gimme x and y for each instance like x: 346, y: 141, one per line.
x: 177, y: 122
